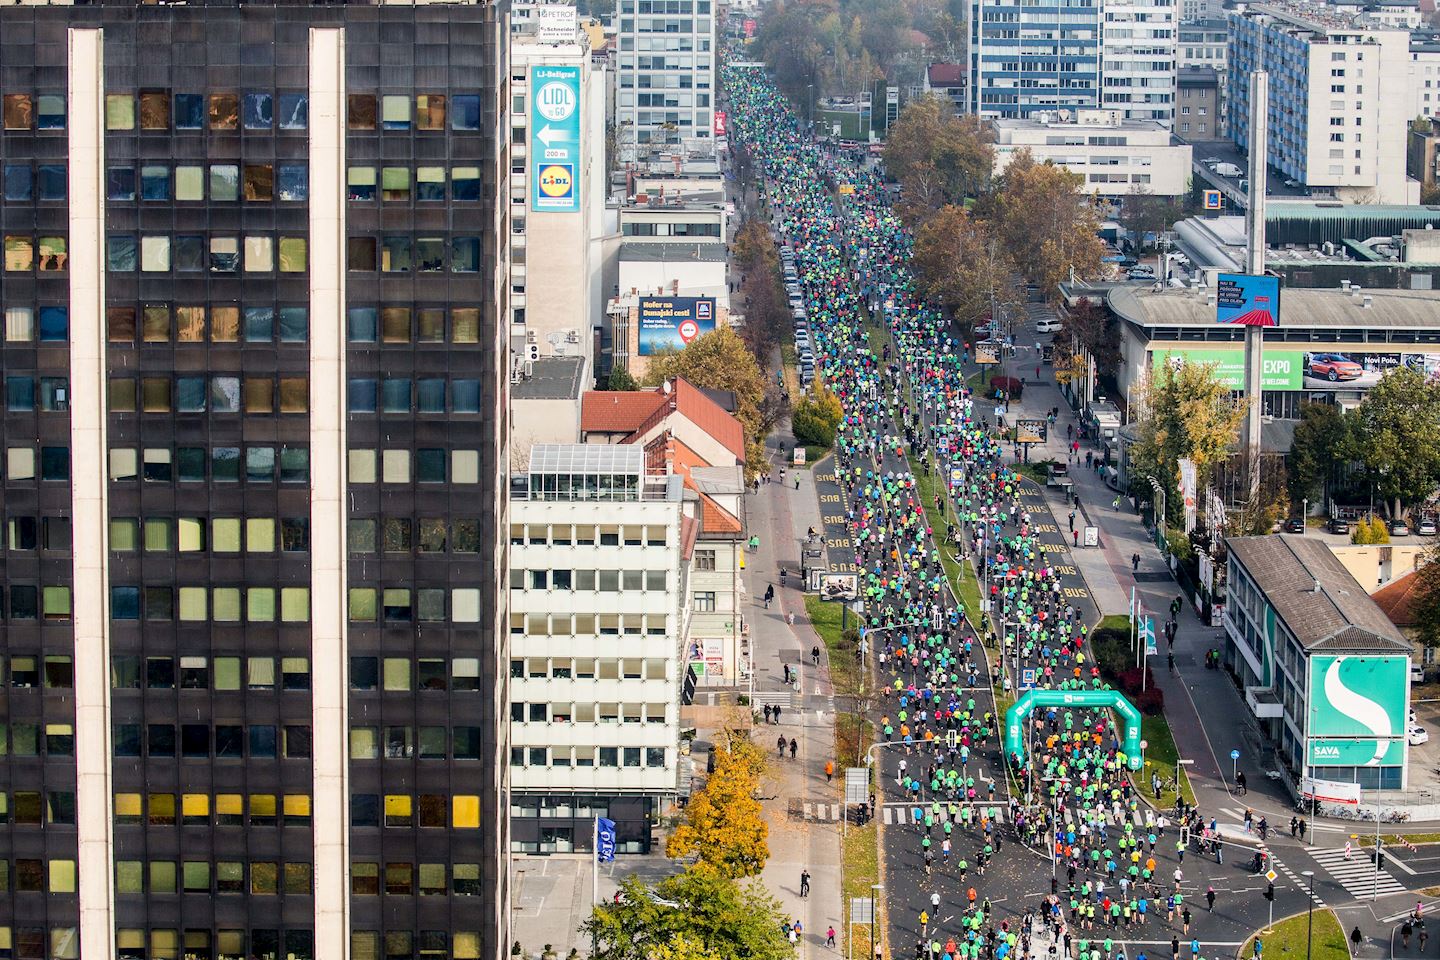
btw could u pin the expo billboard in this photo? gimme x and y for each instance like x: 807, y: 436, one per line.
x: 555, y: 139
x: 1357, y: 711
x: 1247, y: 300
x: 672, y: 322
x: 1280, y: 369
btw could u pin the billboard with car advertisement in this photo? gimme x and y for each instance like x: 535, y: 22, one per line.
x: 1362, y: 369
x: 673, y: 322
x: 1357, y: 710
x: 1247, y: 300
x: 1299, y: 370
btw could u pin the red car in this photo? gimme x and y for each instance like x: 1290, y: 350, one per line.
x: 1332, y: 367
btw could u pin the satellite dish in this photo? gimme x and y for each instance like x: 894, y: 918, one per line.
x: 665, y: 388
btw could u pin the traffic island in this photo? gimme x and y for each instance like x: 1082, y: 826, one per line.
x: 1290, y: 938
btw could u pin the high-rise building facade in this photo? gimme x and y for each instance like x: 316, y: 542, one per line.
x: 1027, y: 58
x: 666, y: 76
x: 1341, y: 96
x: 253, y: 290
x: 1137, y: 58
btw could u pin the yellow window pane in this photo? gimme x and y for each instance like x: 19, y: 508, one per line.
x: 192, y: 603
x: 226, y: 604
x: 190, y: 534
x: 297, y: 805
x: 225, y: 535
x: 295, y: 604
x: 195, y: 805
x: 229, y: 804
x: 262, y: 805
x: 398, y: 805
x: 62, y: 876
x: 465, y: 812
x: 260, y: 534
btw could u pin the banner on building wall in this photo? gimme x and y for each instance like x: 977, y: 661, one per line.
x: 673, y: 322
x: 555, y: 23
x: 555, y: 139
x: 1247, y: 300
x: 1188, y: 486
x: 1357, y: 711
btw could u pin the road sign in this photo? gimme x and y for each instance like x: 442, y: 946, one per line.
x: 1234, y: 754
x: 1271, y: 875
x: 1027, y: 678
x: 860, y: 910
x: 1213, y: 200
x: 857, y: 784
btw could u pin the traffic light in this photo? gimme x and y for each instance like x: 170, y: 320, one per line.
x: 1270, y: 891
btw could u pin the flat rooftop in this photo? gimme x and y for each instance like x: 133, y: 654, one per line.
x: 1300, y: 307
x: 670, y: 251
x: 552, y: 378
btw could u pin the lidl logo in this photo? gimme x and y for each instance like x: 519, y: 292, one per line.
x: 557, y: 181
x: 555, y: 101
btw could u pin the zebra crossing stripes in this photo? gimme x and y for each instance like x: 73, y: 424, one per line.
x: 903, y: 814
x: 822, y: 812
x: 773, y: 698
x: 1357, y: 875
x: 1295, y: 878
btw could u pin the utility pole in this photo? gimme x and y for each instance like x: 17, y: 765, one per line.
x: 1255, y: 266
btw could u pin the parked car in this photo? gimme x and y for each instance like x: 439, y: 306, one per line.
x: 1399, y: 528
x: 1417, y: 675
x: 1295, y: 525
x: 1140, y: 273
x: 1047, y: 325
x: 1332, y: 367
x: 1425, y: 528
x: 1336, y: 525
x: 1417, y: 735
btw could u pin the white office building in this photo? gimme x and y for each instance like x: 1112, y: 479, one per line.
x: 598, y: 601
x: 667, y: 76
x: 557, y: 316
x: 1116, y: 156
x: 1137, y: 58
x: 1340, y: 98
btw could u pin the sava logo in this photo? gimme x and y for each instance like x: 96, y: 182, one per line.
x: 1325, y: 753
x: 1364, y: 711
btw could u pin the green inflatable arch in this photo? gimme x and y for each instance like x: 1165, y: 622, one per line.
x: 1016, y: 716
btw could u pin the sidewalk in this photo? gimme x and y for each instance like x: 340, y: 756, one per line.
x: 779, y: 515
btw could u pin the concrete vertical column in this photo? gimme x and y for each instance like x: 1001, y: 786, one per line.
x: 89, y: 502
x: 328, y: 618
x: 1255, y: 265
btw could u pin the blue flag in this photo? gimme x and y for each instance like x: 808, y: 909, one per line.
x: 604, y: 840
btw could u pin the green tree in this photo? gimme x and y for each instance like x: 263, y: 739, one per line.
x: 1425, y: 605
x: 733, y: 921
x: 1143, y: 212
x: 1048, y: 225
x: 816, y: 418
x: 720, y: 360
x: 1184, y: 412
x: 962, y: 266
x: 622, y: 380
x: 1321, y: 445
x: 1396, y: 437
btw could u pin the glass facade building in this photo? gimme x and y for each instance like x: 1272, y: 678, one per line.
x: 252, y: 672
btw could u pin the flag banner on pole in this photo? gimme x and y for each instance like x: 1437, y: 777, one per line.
x: 604, y: 840
x: 1147, y: 633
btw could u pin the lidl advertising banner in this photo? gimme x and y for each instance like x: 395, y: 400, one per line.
x: 555, y: 139
x: 1251, y: 301
x: 1357, y: 711
x: 1279, y: 369
x: 673, y: 321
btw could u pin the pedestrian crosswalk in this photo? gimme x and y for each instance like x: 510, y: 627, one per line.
x: 1300, y: 884
x: 814, y: 811
x: 1358, y: 874
x: 774, y: 698
x: 901, y: 814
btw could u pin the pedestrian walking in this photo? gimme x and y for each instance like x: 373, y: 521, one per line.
x: 1135, y: 562
x: 830, y: 936
x: 794, y: 747
x: 780, y: 746
x: 804, y: 883
x: 767, y: 713
x: 829, y: 770
x: 776, y: 712
x: 1240, y: 783
x: 1210, y: 899
x: 1072, y: 521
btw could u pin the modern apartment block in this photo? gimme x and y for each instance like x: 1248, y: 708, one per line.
x: 1027, y: 57
x: 1340, y: 98
x: 666, y: 77
x: 1137, y: 58
x: 597, y: 621
x: 254, y: 288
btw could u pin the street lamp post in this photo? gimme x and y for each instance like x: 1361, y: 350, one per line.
x: 1310, y: 912
x: 873, y: 888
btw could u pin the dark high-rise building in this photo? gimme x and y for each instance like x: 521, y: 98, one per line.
x: 252, y: 450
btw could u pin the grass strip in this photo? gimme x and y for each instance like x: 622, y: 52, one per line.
x: 1288, y: 941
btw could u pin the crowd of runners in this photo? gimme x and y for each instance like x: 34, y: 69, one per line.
x: 899, y: 373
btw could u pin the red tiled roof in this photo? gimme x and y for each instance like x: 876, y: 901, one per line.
x: 709, y: 416
x: 617, y: 411
x: 716, y: 519
x: 947, y: 74
x: 1397, y: 599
